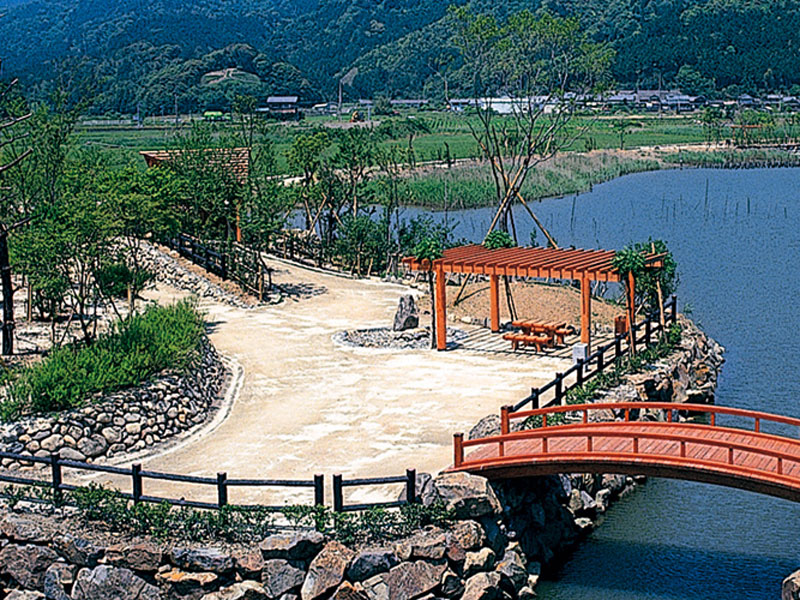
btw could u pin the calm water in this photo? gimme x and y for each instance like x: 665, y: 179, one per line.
x: 736, y: 238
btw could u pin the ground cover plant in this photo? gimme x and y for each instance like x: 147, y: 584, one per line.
x: 105, y: 508
x: 136, y: 348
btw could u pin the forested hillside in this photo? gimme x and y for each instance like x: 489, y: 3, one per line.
x: 153, y: 52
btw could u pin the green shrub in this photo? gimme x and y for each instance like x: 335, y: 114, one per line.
x: 115, y: 278
x: 162, y: 337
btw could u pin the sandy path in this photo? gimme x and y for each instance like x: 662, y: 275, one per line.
x: 308, y: 405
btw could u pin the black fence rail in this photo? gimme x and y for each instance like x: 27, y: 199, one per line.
x: 139, y: 476
x: 596, y: 363
x: 232, y: 261
x: 55, y: 484
x: 409, y: 479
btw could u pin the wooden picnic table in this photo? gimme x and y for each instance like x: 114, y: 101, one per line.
x: 555, y: 330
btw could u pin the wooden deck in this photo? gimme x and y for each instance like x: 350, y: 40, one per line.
x: 767, y: 463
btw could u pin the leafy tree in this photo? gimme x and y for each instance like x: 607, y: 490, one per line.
x: 539, y: 62
x: 498, y: 239
x: 306, y: 156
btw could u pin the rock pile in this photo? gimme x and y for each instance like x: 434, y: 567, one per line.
x: 383, y: 337
x: 127, y: 421
x: 688, y: 375
x: 168, y: 270
x: 492, y: 551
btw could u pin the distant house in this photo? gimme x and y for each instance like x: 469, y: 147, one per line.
x: 285, y: 108
x: 325, y: 108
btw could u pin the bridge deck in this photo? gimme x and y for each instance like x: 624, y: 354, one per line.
x: 746, y: 459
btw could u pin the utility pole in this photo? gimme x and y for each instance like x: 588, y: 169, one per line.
x: 138, y: 115
x: 340, y: 99
x: 176, y: 110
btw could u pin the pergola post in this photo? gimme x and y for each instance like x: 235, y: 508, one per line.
x: 586, y: 312
x: 632, y: 310
x: 494, y: 302
x: 441, y: 308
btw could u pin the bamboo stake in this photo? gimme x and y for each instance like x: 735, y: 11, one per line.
x: 661, y: 319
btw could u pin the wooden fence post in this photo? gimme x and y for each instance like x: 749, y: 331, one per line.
x: 601, y: 359
x: 338, y: 499
x: 411, y: 486
x: 136, y: 476
x: 674, y: 314
x: 222, y: 489
x: 579, y: 374
x: 319, y: 490
x: 559, y: 387
x: 55, y: 467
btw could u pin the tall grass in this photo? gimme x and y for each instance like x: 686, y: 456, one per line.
x: 162, y: 337
x: 472, y: 186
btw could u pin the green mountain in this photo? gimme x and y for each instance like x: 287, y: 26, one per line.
x: 151, y: 53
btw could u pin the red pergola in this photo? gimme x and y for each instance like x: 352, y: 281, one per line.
x: 584, y: 265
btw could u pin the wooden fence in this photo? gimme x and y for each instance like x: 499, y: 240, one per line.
x: 596, y: 363
x: 409, y: 479
x: 56, y: 466
x: 229, y: 261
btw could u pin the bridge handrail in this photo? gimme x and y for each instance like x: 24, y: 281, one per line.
x: 592, y: 431
x: 506, y: 415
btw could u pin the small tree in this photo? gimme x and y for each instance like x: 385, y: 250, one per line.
x: 428, y: 250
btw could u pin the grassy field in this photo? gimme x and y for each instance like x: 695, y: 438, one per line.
x: 436, y: 134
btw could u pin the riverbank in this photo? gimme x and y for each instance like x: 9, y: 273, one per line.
x: 469, y: 184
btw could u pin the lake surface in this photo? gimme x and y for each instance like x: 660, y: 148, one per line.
x: 736, y: 238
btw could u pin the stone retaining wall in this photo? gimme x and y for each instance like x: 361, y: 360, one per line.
x: 482, y: 555
x: 127, y: 421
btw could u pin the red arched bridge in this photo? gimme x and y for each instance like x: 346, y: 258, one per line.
x: 737, y: 453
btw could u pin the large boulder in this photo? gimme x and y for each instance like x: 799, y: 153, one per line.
x: 475, y: 562
x: 301, y: 545
x: 77, y: 550
x: 279, y: 577
x: 462, y: 537
x: 245, y: 590
x: 790, y: 590
x: 249, y: 563
x: 57, y: 578
x: 25, y: 595
x: 512, y: 571
x: 105, y: 581
x: 407, y: 315
x: 429, y: 544
x: 347, y: 591
x: 326, y: 571
x: 26, y: 565
x: 483, y: 586
x: 468, y: 496
x: 142, y: 556
x: 22, y: 529
x: 370, y: 562
x: 486, y: 427
x: 201, y: 560
x: 406, y: 580
x: 186, y: 585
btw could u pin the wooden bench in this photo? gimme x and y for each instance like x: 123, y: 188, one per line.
x: 517, y: 339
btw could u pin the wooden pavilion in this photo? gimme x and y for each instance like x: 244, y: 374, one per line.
x: 583, y: 265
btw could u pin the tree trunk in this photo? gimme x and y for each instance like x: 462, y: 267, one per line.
x: 8, y: 296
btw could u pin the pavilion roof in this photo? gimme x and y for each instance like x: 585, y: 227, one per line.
x: 528, y: 262
x: 235, y: 159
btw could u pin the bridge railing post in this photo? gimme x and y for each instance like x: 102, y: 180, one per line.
x: 458, y: 449
x: 505, y: 425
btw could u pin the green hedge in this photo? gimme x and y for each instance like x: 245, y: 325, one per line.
x: 162, y: 337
